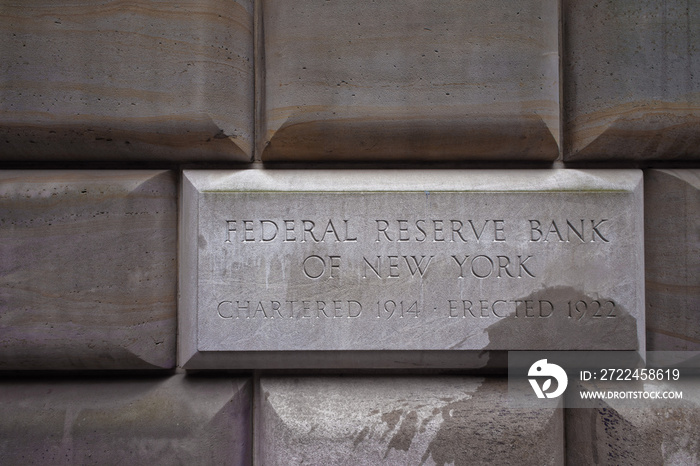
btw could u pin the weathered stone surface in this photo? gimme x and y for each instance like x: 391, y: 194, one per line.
x: 460, y: 421
x: 109, y: 80
x: 630, y: 80
x: 174, y: 420
x: 672, y: 248
x: 88, y: 269
x: 407, y: 269
x: 409, y: 80
x: 644, y: 432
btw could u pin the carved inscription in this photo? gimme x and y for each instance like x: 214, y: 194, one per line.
x: 323, y: 265
x: 406, y: 268
x: 453, y: 235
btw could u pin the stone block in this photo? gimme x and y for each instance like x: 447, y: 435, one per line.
x: 144, y: 80
x: 402, y: 420
x: 672, y: 248
x: 409, y: 80
x: 630, y: 80
x: 379, y: 269
x: 632, y: 432
x: 88, y: 272
x: 173, y: 420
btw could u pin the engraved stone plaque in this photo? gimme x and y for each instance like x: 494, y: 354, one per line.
x: 390, y: 269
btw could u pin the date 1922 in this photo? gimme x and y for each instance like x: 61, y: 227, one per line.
x: 595, y: 309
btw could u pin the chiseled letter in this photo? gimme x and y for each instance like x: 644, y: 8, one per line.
x: 596, y: 231
x: 230, y: 226
x: 535, y: 227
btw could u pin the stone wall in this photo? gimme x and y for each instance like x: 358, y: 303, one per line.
x: 167, y: 163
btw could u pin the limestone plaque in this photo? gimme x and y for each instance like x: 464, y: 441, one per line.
x: 382, y: 269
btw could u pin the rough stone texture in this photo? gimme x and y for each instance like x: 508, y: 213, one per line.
x: 115, y: 80
x: 255, y: 292
x: 631, y: 80
x: 639, y: 432
x: 409, y: 80
x: 672, y: 248
x: 397, y: 421
x: 88, y: 269
x: 174, y: 420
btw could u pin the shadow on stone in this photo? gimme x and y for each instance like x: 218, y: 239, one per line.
x: 564, y: 318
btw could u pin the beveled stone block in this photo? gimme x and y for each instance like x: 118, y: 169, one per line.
x: 633, y: 432
x: 630, y: 80
x: 672, y: 248
x: 88, y: 269
x: 380, y: 269
x: 402, y: 420
x: 409, y: 80
x: 103, y: 80
x: 174, y: 420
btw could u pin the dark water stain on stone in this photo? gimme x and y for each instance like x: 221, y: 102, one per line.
x: 545, y: 320
x: 427, y: 420
x: 391, y: 419
x: 482, y: 429
x: 361, y: 436
x: 403, y: 438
